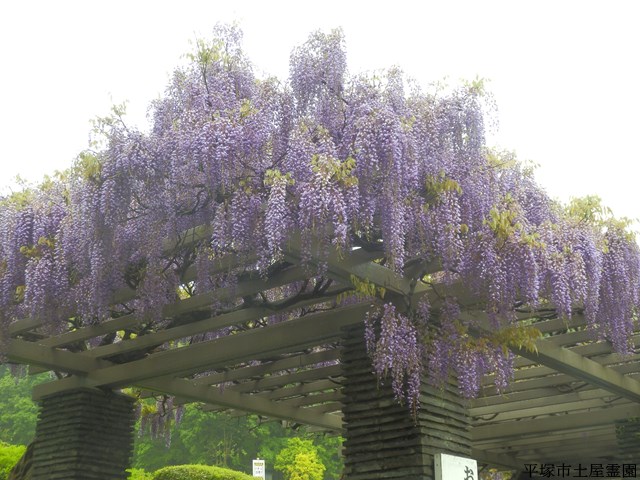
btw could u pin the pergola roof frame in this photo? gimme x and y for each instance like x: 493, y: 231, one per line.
x: 294, y: 356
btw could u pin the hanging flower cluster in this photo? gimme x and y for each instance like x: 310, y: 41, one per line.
x: 341, y: 160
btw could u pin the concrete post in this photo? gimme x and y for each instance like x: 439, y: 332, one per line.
x: 382, y: 438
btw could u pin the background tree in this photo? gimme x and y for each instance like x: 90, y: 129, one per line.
x: 218, y: 439
x: 299, y: 461
x: 19, y: 412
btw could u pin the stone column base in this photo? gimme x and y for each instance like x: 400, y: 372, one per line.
x: 382, y: 438
x: 84, y: 435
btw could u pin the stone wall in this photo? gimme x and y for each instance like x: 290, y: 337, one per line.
x: 84, y: 434
x: 383, y: 440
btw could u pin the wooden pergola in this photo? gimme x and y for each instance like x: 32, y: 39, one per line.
x: 572, y: 401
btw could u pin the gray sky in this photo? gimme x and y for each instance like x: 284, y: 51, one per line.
x: 565, y: 74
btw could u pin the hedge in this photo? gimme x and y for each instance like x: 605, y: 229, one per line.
x: 199, y: 472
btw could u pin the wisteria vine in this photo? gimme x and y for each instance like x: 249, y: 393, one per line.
x: 341, y: 161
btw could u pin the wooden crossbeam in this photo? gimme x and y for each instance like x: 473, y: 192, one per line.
x: 196, y: 327
x: 277, y: 381
x: 301, y: 389
x: 197, y: 302
x: 293, y: 335
x: 359, y: 263
x: 554, y: 423
x: 582, y: 368
x: 31, y: 353
x: 552, y: 409
x: 302, y: 401
x: 193, y: 328
x: 543, y: 439
x: 315, y: 398
x: 266, y: 369
x: 538, y: 386
x: 248, y: 403
x: 325, y: 408
x: 566, y: 362
x: 535, y: 406
x: 291, y: 362
x: 600, y: 349
x: 538, y: 371
x: 189, y: 329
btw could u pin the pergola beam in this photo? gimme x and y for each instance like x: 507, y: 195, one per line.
x: 567, y: 362
x: 298, y: 402
x: 235, y: 400
x: 518, y: 408
x: 292, y: 362
x: 546, y: 439
x: 293, y: 335
x: 552, y: 409
x: 197, y: 302
x: 315, y: 398
x: 27, y: 352
x: 554, y: 423
x: 538, y: 371
x: 582, y: 368
x: 302, y: 389
x: 269, y: 368
x: 333, y: 407
x: 158, y: 338
x: 277, y: 381
x: 193, y: 328
x: 32, y: 353
x: 359, y: 264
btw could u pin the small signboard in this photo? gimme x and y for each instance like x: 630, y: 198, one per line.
x: 450, y: 467
x: 259, y: 469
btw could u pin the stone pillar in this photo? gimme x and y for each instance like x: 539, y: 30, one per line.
x: 382, y: 438
x: 84, y: 434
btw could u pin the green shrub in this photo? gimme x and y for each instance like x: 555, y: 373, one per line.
x: 139, y: 474
x: 299, y: 460
x: 9, y: 456
x: 199, y: 472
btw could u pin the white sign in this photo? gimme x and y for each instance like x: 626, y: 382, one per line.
x: 259, y: 469
x: 450, y: 467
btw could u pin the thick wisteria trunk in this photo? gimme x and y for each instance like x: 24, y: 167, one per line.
x: 382, y: 438
x: 83, y: 435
